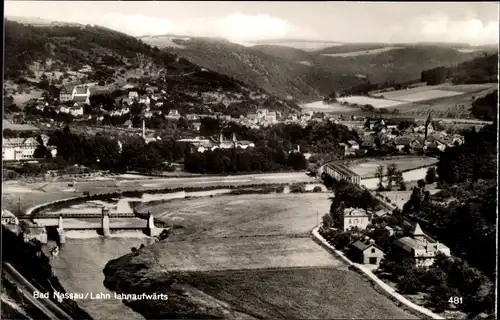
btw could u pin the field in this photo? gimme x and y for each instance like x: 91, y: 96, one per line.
x: 254, y: 254
x: 242, y: 253
x: 18, y: 127
x: 361, y: 53
x: 243, y: 215
x: 376, y: 103
x: 296, y: 293
x: 446, y: 101
x: 319, y: 106
x: 426, y: 95
x: 368, y: 169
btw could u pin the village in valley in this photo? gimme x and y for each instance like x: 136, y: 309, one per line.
x: 325, y: 193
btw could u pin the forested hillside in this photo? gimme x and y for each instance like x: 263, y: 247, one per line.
x: 482, y: 69
x: 59, y: 52
x: 310, y: 75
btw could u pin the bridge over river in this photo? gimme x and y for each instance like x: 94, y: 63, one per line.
x: 104, y: 222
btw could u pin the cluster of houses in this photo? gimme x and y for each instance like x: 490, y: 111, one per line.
x: 15, y: 149
x: 407, y: 240
x: 416, y: 138
x: 202, y: 145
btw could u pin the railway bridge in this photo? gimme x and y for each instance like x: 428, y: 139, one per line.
x: 339, y: 172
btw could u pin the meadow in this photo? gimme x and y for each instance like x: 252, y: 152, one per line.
x: 319, y: 106
x: 296, y: 293
x: 368, y: 168
x: 361, y: 53
x: 445, y: 101
x: 375, y: 102
x: 242, y: 215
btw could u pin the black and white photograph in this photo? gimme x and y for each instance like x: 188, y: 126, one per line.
x: 249, y: 160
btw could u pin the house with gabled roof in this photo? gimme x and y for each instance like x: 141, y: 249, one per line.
x: 420, y: 247
x: 366, y: 251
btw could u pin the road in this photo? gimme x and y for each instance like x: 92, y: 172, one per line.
x: 49, y: 308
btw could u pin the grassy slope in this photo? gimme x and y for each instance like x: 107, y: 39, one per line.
x: 296, y: 293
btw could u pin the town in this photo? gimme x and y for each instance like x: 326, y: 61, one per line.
x: 151, y: 172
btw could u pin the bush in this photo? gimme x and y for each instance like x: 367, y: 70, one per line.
x: 317, y: 189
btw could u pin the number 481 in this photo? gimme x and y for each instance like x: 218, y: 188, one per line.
x: 455, y: 300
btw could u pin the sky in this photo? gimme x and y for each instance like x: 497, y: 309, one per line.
x: 475, y: 23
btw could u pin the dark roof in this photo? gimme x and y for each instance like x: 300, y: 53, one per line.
x: 79, y: 99
x: 403, y: 141
x: 81, y: 90
x: 363, y: 244
x: 65, y: 90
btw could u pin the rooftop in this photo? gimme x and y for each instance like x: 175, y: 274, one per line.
x: 364, y: 244
x: 355, y: 212
x: 81, y: 90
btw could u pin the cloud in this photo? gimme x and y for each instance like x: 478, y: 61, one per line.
x: 236, y: 27
x: 439, y: 27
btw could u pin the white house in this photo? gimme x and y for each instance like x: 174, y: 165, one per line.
x: 420, y: 247
x: 81, y: 94
x: 9, y: 218
x: 354, y: 217
x: 133, y: 95
x: 145, y: 99
x: 18, y: 148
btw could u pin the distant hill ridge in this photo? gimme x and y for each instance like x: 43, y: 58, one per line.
x: 309, y: 75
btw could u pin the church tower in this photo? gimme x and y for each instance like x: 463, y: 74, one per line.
x: 427, y: 123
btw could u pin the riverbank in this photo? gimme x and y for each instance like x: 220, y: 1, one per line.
x: 31, y: 261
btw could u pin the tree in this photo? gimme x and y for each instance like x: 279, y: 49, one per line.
x: 327, y: 221
x: 40, y: 152
x: 399, y: 180
x: 297, y: 161
x: 367, y: 124
x: 410, y: 284
x: 366, y: 200
x: 430, y: 176
x: 380, y: 175
x: 392, y: 169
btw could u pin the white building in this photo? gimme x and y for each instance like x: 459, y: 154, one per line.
x: 133, y: 95
x: 354, y: 217
x: 9, y: 218
x: 81, y: 95
x: 262, y: 113
x: 420, y: 247
x: 18, y: 148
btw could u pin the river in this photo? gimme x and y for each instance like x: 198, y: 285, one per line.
x: 412, y: 175
x: 79, y: 268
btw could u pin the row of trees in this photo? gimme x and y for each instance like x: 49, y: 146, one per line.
x: 261, y: 159
x: 103, y: 152
x: 475, y: 159
x: 393, y: 176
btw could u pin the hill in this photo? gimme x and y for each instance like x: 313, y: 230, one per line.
x: 483, y: 69
x: 63, y: 53
x: 285, y: 68
x: 285, y: 76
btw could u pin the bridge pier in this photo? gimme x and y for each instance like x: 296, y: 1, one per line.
x: 150, y: 228
x: 60, y: 230
x: 105, y: 222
